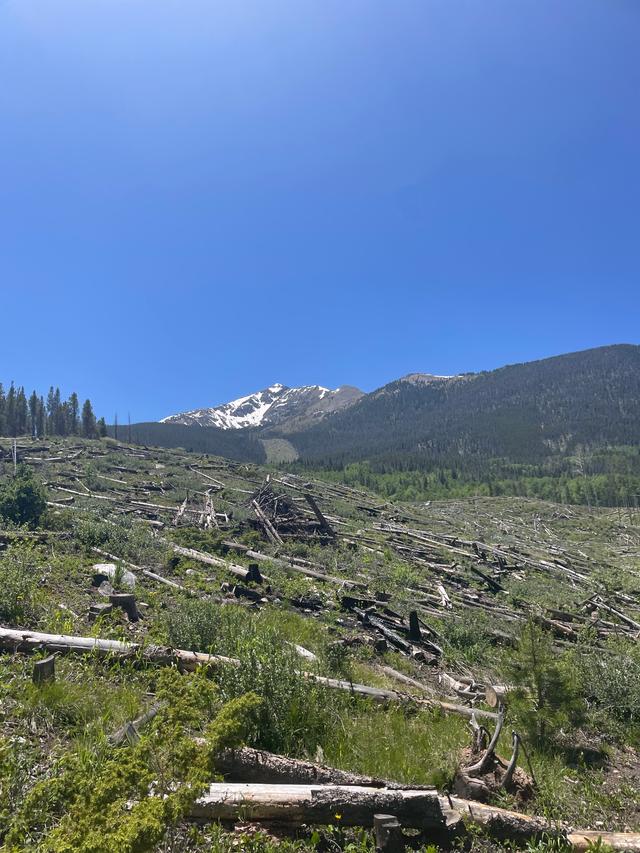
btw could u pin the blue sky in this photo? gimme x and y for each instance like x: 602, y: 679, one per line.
x: 199, y: 198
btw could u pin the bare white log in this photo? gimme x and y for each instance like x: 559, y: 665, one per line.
x: 308, y: 804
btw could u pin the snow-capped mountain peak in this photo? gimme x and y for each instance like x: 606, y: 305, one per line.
x: 272, y: 406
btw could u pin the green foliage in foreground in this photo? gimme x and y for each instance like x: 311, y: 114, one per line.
x: 107, y: 808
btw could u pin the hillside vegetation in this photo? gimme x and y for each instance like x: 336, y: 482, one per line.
x: 543, y: 598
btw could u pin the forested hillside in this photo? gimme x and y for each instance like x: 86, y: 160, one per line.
x: 524, y: 413
x: 565, y: 428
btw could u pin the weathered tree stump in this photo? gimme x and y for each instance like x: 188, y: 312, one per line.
x: 44, y: 670
x: 127, y: 602
x: 388, y: 834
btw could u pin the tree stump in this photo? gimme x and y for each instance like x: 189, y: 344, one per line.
x: 388, y: 834
x: 44, y: 670
x: 127, y: 602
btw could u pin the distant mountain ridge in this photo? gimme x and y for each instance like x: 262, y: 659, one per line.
x: 274, y: 406
x: 567, y: 418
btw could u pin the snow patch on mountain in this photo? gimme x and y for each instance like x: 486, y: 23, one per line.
x: 272, y: 406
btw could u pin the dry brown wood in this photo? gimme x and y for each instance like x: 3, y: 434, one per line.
x: 269, y: 529
x: 257, y: 765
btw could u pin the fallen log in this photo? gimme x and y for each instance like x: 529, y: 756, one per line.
x: 21, y: 640
x: 504, y: 824
x: 257, y: 765
x: 209, y: 560
x: 414, y: 808
x: 146, y: 572
x: 319, y: 804
x: 289, y: 565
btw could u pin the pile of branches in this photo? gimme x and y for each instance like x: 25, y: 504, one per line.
x: 280, y: 517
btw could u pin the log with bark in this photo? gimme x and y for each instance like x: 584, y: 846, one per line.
x: 319, y: 804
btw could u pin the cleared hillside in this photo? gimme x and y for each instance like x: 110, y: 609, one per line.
x: 285, y: 575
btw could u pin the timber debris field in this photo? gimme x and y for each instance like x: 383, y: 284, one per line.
x: 203, y: 654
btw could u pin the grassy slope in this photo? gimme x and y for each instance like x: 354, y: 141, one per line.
x: 48, y: 585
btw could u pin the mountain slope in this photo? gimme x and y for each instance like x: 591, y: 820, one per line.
x: 271, y: 407
x: 523, y: 412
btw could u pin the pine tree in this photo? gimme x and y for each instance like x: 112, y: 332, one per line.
x: 3, y: 424
x: 88, y: 420
x: 102, y: 428
x: 74, y: 412
x: 33, y: 414
x: 11, y: 410
x: 41, y: 419
x: 51, y: 411
x: 22, y: 412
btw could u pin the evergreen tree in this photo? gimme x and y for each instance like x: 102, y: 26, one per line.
x: 11, y: 410
x: 88, y: 420
x: 102, y: 428
x: 41, y: 419
x: 51, y: 411
x: 33, y: 414
x: 22, y: 412
x: 74, y: 413
x: 60, y: 415
x: 3, y: 425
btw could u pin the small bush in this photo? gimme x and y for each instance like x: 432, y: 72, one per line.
x: 295, y: 715
x: 23, y: 499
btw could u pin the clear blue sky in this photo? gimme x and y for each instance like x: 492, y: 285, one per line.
x: 199, y: 198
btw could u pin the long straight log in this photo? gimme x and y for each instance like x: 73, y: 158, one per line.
x: 297, y: 804
x: 20, y: 640
x: 309, y: 804
x: 209, y: 560
x: 257, y: 765
x: 289, y: 565
x: 146, y: 572
x: 501, y: 823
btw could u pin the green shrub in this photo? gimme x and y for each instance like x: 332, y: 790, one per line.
x: 295, y: 715
x: 546, y: 702
x: 23, y: 499
x: 107, y: 807
x: 19, y: 604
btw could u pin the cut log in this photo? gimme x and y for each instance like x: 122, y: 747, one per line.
x: 309, y: 804
x: 504, y: 824
x: 269, y: 529
x: 256, y: 765
x: 324, y: 524
x: 496, y: 694
x: 127, y: 602
x: 146, y: 572
x: 290, y: 565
